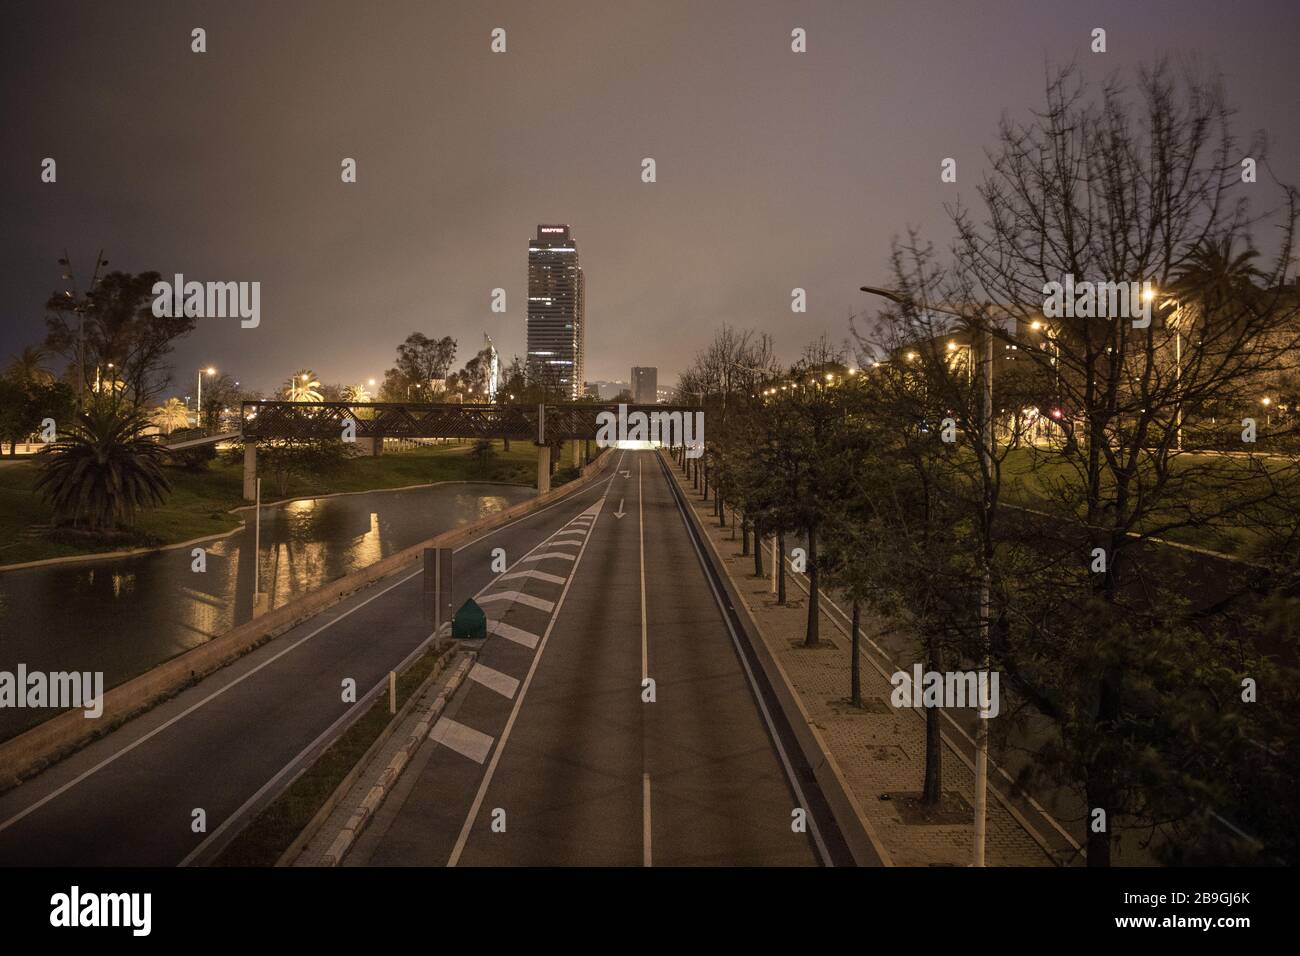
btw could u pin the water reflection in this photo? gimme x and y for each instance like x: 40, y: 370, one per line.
x: 122, y: 616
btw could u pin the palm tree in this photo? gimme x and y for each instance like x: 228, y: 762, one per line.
x: 1215, y: 276
x: 103, y: 469
x: 356, y: 393
x: 28, y: 367
x: 171, y: 415
x: 303, y: 387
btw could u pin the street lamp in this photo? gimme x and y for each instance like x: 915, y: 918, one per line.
x: 198, y: 402
x: 1176, y: 321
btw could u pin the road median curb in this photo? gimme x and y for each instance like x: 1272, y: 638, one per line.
x: 364, y: 813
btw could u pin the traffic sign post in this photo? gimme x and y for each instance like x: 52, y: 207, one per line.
x: 437, y: 586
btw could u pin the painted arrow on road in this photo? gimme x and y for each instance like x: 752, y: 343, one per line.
x: 619, y: 512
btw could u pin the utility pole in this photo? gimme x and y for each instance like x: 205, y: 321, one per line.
x: 80, y: 308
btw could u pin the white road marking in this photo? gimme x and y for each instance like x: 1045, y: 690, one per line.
x: 549, y: 554
x: 645, y: 640
x: 193, y: 707
x: 576, y: 543
x: 579, y: 532
x: 486, y: 782
x: 493, y: 679
x: 519, y: 597
x: 539, y: 575
x: 466, y: 741
x: 512, y: 633
x: 26, y: 811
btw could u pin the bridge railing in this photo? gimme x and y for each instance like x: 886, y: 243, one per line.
x: 268, y: 420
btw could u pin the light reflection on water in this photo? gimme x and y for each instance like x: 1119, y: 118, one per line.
x: 123, y: 616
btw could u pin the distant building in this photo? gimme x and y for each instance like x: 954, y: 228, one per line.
x: 666, y: 396
x: 607, y: 391
x: 557, y: 293
x: 645, y: 384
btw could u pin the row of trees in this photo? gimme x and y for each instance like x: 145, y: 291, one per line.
x: 1003, y: 481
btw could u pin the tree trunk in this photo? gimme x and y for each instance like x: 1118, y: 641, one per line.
x: 814, y: 605
x: 780, y: 568
x: 932, y: 790
x: 1098, y: 772
x: 855, y: 654
x: 744, y: 536
x: 758, y: 551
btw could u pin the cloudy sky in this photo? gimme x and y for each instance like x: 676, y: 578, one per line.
x: 775, y: 170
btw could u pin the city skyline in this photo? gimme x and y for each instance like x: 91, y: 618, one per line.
x: 944, y: 527
x: 431, y: 225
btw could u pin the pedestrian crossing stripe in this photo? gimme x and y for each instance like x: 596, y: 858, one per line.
x: 519, y: 597
x: 466, y: 741
x: 512, y: 633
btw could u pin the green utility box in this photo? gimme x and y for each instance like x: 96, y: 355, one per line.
x: 470, y: 623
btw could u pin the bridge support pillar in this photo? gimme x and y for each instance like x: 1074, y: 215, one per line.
x: 250, y: 471
x: 543, y: 469
x: 577, y: 453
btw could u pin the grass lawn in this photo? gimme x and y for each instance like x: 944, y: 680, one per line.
x: 200, y: 502
x: 1031, y: 477
x: 269, y: 834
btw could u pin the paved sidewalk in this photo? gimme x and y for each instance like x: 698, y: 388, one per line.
x: 879, y: 748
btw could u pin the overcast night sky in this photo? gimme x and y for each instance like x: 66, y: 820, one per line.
x: 775, y: 170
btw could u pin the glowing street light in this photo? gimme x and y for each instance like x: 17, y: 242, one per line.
x: 198, y: 401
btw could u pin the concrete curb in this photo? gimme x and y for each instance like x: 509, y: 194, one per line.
x: 36, y: 748
x: 370, y: 805
x: 294, y: 850
x: 860, y: 836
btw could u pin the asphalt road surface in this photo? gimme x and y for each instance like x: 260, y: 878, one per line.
x: 555, y: 734
x: 555, y: 753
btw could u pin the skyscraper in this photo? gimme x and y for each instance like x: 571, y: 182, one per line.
x: 557, y: 294
x: 645, y: 382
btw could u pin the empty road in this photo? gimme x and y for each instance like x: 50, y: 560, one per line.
x: 612, y: 718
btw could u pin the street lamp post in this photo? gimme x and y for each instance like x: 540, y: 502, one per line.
x: 985, y: 333
x: 198, y: 401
